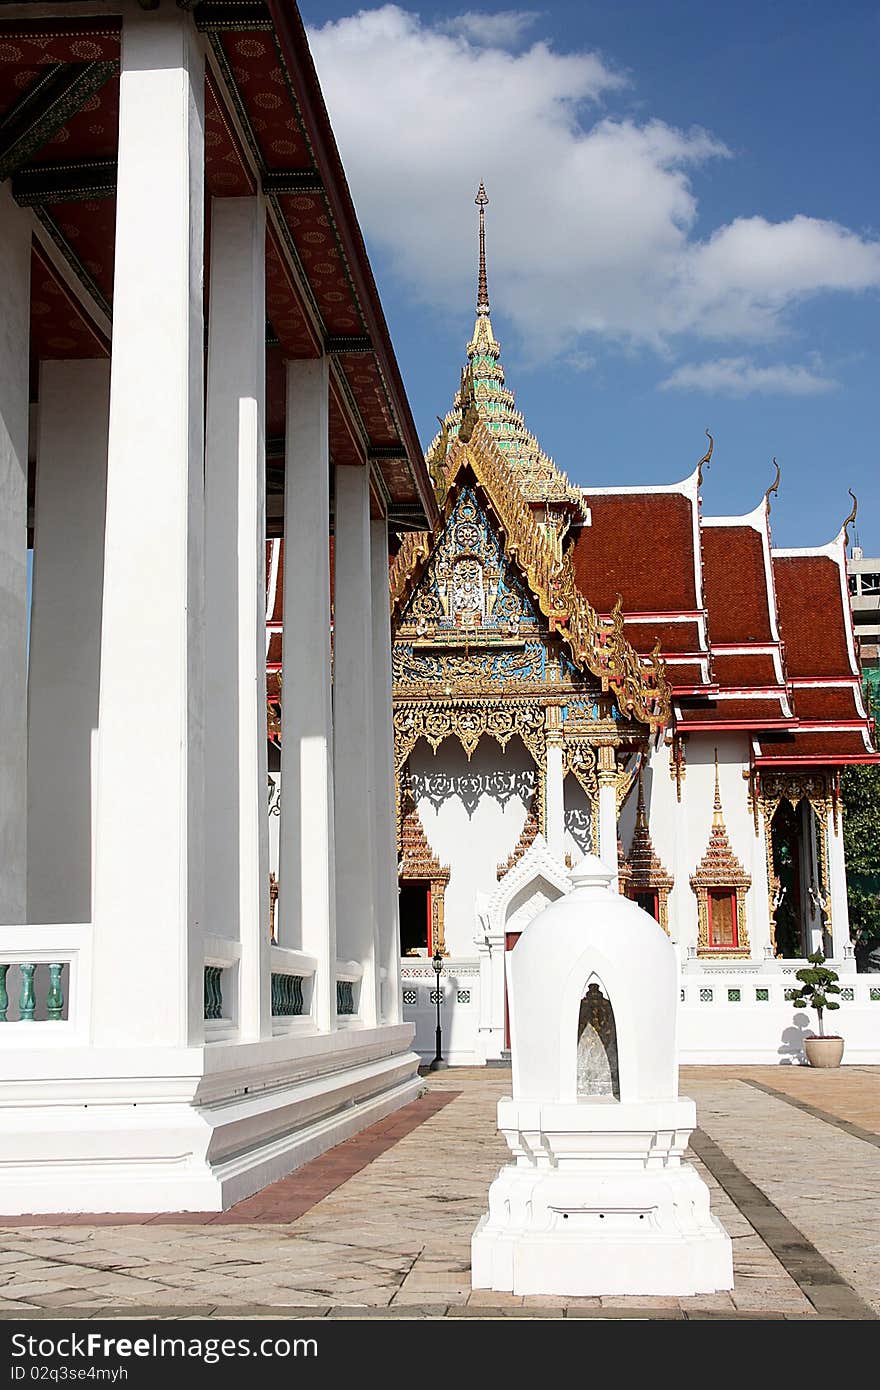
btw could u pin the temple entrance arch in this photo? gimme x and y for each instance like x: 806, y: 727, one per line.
x: 798, y: 897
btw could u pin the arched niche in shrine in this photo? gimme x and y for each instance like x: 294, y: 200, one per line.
x: 598, y: 1073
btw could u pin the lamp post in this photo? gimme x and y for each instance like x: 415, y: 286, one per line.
x: 438, y: 1063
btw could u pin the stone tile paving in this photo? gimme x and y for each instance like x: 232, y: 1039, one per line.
x: 382, y: 1227
x: 826, y: 1181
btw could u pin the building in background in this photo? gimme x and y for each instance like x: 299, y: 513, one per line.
x: 864, y: 589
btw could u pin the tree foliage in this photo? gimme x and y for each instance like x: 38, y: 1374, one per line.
x: 860, y: 792
x: 817, y: 985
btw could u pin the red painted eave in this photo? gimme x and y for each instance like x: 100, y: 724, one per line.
x: 292, y: 37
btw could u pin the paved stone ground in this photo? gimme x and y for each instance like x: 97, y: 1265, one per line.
x: 381, y: 1225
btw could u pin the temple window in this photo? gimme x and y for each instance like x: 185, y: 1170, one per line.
x: 648, y: 900
x: 722, y: 919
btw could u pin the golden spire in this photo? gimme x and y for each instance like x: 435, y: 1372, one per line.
x: 482, y: 286
x: 717, y: 812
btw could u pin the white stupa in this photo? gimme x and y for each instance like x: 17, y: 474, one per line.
x: 598, y: 1199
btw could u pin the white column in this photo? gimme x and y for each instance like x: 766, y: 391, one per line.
x: 15, y: 262
x: 65, y: 648
x: 608, y: 812
x: 554, y: 786
x: 842, y: 949
x: 387, y: 915
x: 236, y: 774
x: 306, y: 908
x: 354, y: 780
x: 148, y: 979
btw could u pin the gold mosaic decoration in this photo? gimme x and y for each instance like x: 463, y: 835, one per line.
x: 641, y: 688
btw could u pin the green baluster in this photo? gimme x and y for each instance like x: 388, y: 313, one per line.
x: 213, y: 992
x: 27, y: 1001
x: 4, y: 997
x: 274, y: 984
x: 55, y: 994
x: 297, y: 994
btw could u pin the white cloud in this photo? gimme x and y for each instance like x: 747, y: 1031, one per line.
x: 737, y: 376
x: 592, y: 215
x: 504, y: 29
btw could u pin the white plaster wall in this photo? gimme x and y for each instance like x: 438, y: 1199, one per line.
x: 471, y: 824
x: 680, y: 831
x: 578, y: 836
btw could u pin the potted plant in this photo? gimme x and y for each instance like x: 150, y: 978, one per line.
x: 817, y: 984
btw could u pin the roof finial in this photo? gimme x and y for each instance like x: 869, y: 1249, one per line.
x: 704, y: 461
x: 851, y: 518
x: 482, y: 286
x: 774, y: 486
x: 717, y: 812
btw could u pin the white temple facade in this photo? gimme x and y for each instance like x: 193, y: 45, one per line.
x: 610, y: 671
x: 161, y: 1051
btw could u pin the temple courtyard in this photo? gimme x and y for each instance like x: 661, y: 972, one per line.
x: 380, y: 1226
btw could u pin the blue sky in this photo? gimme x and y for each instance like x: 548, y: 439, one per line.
x: 683, y: 230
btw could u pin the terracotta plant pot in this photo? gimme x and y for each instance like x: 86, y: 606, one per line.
x: 823, y: 1052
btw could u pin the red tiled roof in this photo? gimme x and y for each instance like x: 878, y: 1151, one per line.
x: 811, y: 617
x: 826, y: 702
x: 640, y: 545
x: 678, y: 638
x: 737, y: 669
x: 756, y: 712
x: 817, y: 744
x: 735, y: 584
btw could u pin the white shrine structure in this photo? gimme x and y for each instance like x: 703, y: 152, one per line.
x: 598, y: 1199
x: 192, y: 356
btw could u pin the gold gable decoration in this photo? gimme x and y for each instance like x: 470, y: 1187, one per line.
x: 720, y: 868
x: 641, y: 687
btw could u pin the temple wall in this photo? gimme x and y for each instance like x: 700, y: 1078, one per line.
x: 473, y: 812
x: 680, y: 831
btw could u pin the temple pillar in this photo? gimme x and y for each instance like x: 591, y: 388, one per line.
x: 15, y: 262
x: 306, y: 910
x: 841, y: 943
x: 608, y: 810
x: 554, y: 783
x: 760, y: 923
x: 148, y: 954
x: 236, y: 775
x: 387, y: 899
x: 65, y: 647
x: 353, y: 684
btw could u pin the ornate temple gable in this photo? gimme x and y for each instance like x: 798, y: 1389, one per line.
x: 470, y: 622
x: 484, y: 397
x: 720, y: 870
x: 594, y: 645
